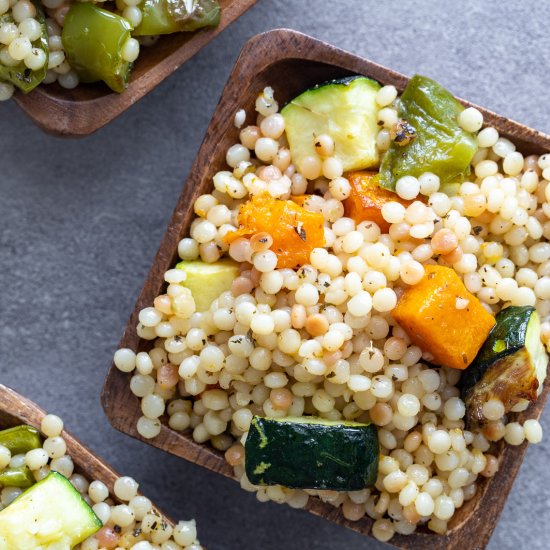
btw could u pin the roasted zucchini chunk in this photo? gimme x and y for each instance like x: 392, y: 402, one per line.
x: 510, y: 366
x: 311, y: 453
x: 344, y: 109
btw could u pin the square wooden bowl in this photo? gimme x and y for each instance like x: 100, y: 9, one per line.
x: 291, y: 62
x: 88, y: 107
x: 16, y: 410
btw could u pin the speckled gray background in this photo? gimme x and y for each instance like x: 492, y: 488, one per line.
x: 81, y: 220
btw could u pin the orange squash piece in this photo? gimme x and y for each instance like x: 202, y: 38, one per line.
x: 295, y: 230
x: 429, y: 314
x: 367, y: 199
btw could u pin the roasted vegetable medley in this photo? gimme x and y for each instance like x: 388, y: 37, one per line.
x: 71, y: 41
x: 45, y: 505
x: 362, y: 306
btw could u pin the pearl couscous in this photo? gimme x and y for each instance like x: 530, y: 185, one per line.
x: 320, y: 338
x: 129, y: 519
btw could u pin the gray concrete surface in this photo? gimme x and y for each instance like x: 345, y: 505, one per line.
x: 81, y: 220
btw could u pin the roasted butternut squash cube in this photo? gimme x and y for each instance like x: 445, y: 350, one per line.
x: 367, y: 199
x: 443, y: 318
x: 295, y: 230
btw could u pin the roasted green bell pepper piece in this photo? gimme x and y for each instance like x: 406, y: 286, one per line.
x: 440, y: 145
x: 93, y: 39
x: 20, y: 439
x: 168, y: 16
x: 20, y: 75
x: 20, y: 477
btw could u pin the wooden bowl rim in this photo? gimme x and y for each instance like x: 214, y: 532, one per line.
x: 24, y: 411
x: 67, y: 117
x: 283, y: 45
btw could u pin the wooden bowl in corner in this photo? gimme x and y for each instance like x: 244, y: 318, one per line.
x: 292, y: 62
x: 16, y: 409
x: 87, y: 108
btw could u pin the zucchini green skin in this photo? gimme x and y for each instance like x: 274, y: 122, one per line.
x: 311, y: 453
x: 20, y: 439
x: 344, y: 81
x: 510, y: 366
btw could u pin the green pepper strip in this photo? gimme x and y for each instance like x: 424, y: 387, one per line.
x: 19, y: 75
x: 169, y: 16
x: 20, y: 477
x: 93, y: 39
x: 20, y: 439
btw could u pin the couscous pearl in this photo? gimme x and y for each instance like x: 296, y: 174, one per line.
x: 266, y: 149
x: 408, y: 405
x: 36, y: 458
x: 125, y: 488
x: 393, y: 212
x: 6, y: 91
x: 324, y: 145
x: 130, y: 50
x: 439, y: 442
x: 30, y: 28
x: 98, y: 491
x: 20, y: 48
x: 122, y: 515
x: 134, y: 16
x: 383, y: 530
x: 64, y: 465
x: 236, y: 154
x: 454, y: 408
x: 102, y: 511
x: 429, y: 183
x: 407, y: 187
x: 24, y: 9
x: 311, y: 167
x: 444, y: 507
x: 55, y: 446
x: 533, y: 431
x: 487, y: 137
x: 148, y: 428
x: 503, y: 147
x: 493, y: 409
x: 514, y: 434
x: 185, y: 533
x: 384, y: 300
x: 273, y: 126
x: 386, y: 95
x: 125, y: 360
x: 470, y: 119
x: 362, y: 303
x: 332, y: 168
x: 424, y: 504
x: 51, y: 425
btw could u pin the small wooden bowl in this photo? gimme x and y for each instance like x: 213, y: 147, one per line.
x: 16, y: 409
x: 87, y: 108
x: 292, y: 62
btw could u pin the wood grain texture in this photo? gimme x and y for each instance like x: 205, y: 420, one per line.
x: 291, y: 62
x: 88, y: 107
x: 16, y: 409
